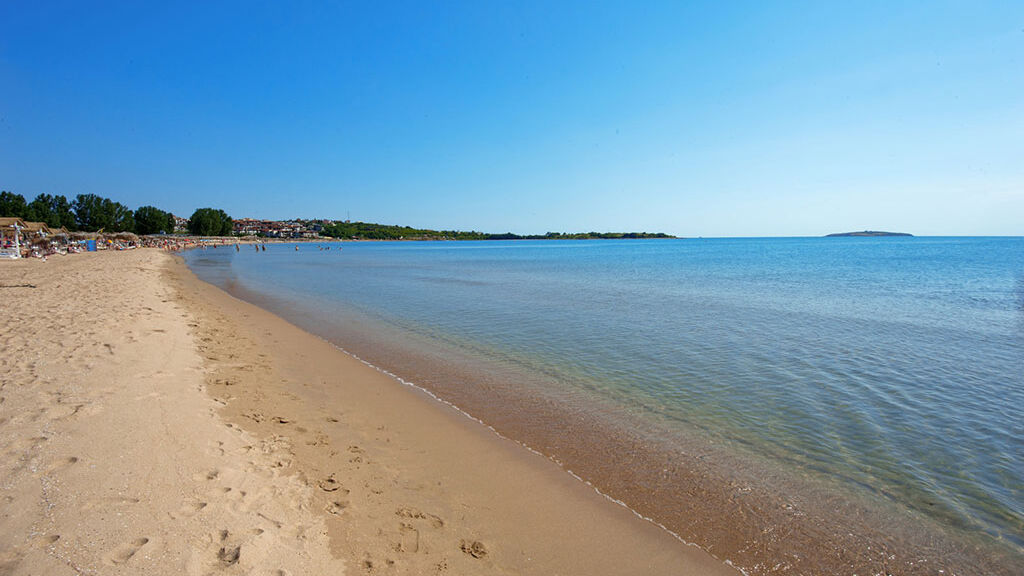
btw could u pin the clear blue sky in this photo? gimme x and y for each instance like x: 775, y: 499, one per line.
x: 691, y: 118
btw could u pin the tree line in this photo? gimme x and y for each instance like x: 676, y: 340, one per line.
x: 93, y: 213
x: 369, y: 231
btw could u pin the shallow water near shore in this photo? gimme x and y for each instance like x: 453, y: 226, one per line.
x: 874, y: 383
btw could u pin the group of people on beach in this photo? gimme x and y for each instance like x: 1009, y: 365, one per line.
x: 44, y: 247
x: 64, y: 245
x: 263, y: 247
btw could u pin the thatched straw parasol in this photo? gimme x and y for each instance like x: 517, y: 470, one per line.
x: 123, y: 237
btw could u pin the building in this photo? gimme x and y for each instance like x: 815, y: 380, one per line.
x: 180, y: 224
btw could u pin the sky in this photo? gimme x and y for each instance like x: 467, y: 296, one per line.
x: 690, y: 118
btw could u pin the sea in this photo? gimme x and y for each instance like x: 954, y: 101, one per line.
x: 794, y: 405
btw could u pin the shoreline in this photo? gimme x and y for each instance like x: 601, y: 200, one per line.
x: 569, y: 528
x: 720, y: 498
x: 154, y: 423
x: 169, y: 428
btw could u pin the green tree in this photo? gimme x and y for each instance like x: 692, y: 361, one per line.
x: 62, y: 208
x: 210, y: 222
x: 89, y: 213
x: 13, y: 205
x: 122, y: 216
x: 152, y: 220
x: 93, y: 213
x: 41, y: 210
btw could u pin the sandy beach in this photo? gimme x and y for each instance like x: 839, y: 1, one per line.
x: 153, y: 424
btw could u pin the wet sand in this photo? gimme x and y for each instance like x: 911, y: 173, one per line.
x: 151, y: 423
x: 765, y: 515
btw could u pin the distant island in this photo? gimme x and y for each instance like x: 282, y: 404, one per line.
x: 868, y: 233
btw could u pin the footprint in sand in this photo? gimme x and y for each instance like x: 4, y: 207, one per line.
x: 410, y: 538
x: 26, y: 446
x: 416, y: 514
x: 474, y: 548
x: 318, y: 440
x: 190, y: 509
x: 228, y: 553
x: 238, y: 497
x: 45, y: 541
x: 125, y: 552
x: 62, y: 464
x: 329, y: 484
x: 336, y: 507
x: 255, y: 416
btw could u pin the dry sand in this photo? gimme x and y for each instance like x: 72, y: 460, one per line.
x: 152, y: 424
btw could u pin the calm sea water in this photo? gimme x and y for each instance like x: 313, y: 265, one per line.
x: 895, y: 365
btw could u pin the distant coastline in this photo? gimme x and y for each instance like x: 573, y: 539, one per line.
x: 867, y: 233
x: 346, y: 230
